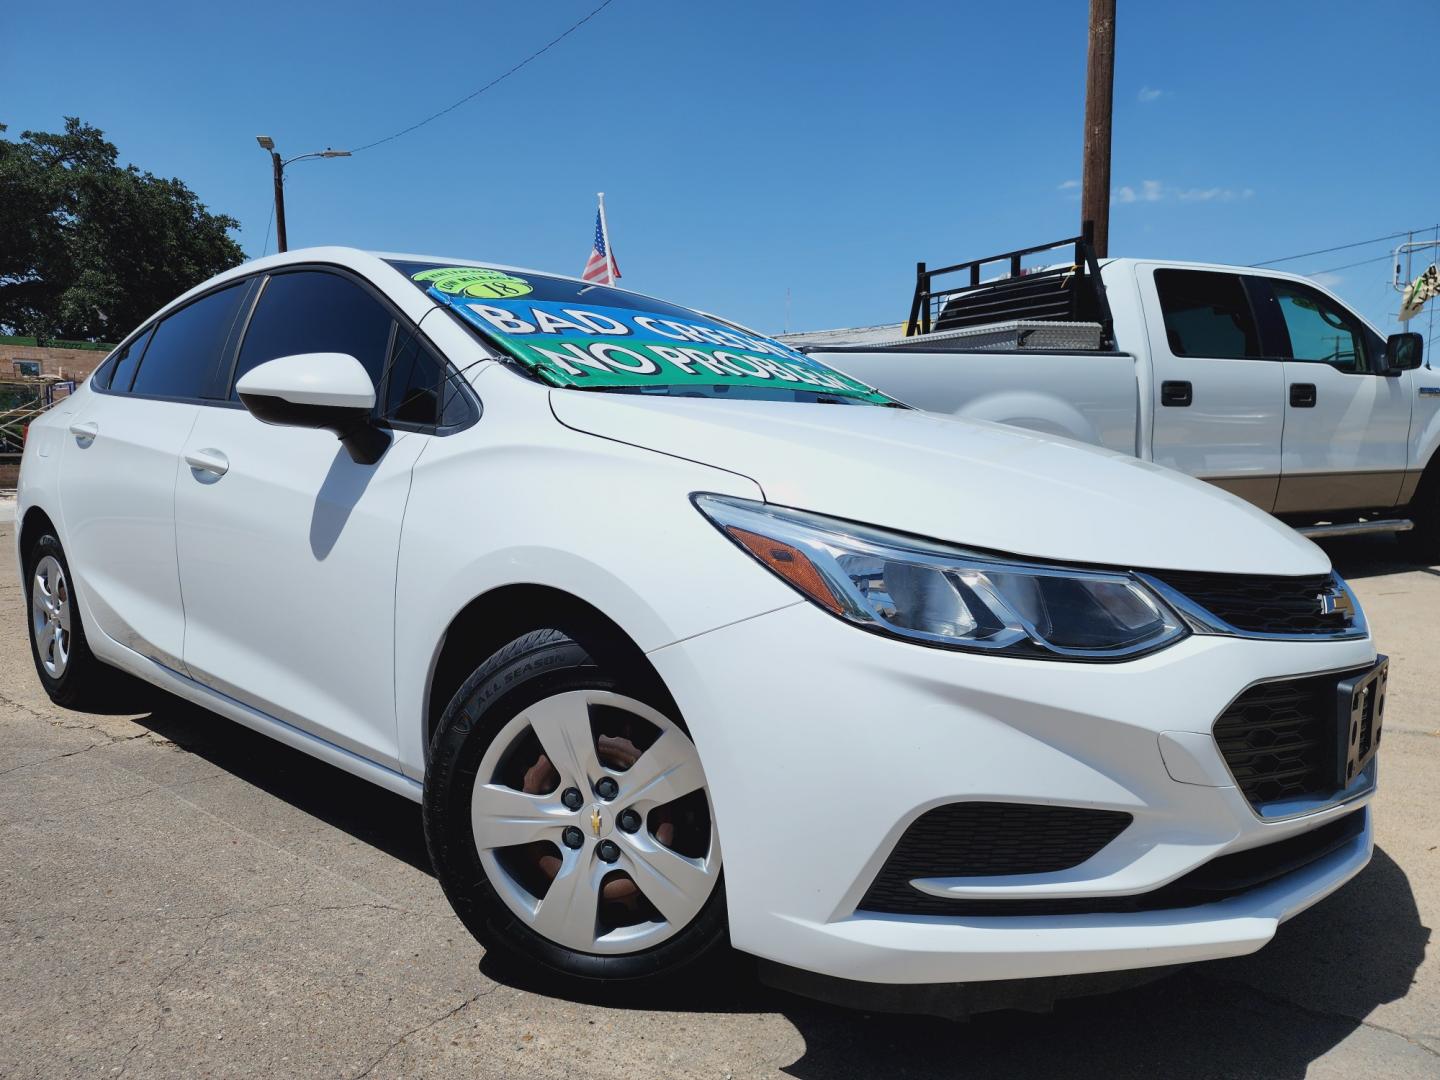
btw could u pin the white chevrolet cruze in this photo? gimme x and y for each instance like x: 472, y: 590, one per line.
x: 612, y: 586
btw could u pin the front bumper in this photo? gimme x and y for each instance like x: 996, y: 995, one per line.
x: 822, y: 743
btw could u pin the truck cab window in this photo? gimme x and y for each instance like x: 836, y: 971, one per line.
x: 1319, y: 329
x: 1207, y: 314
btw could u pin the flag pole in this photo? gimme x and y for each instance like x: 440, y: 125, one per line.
x: 605, y: 231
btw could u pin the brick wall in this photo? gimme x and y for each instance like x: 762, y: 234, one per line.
x: 56, y: 362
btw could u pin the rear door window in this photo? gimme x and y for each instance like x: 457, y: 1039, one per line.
x: 308, y: 311
x: 187, y: 349
x: 118, y: 373
x: 1207, y: 314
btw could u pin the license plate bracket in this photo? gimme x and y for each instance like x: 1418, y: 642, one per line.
x: 1360, y: 703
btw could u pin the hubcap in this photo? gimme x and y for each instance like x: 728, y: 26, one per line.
x: 615, y: 891
x: 50, y: 616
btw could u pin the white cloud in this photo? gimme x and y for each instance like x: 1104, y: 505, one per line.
x: 1069, y: 185
x: 1330, y: 281
x: 1149, y: 191
x: 1149, y: 94
x: 1214, y: 194
x: 1157, y: 191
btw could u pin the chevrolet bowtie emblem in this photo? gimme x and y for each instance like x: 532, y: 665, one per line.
x: 595, y: 821
x: 1334, y: 601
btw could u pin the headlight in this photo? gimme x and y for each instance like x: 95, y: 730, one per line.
x: 946, y: 596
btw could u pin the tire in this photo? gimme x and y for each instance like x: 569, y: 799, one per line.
x: 71, y: 674
x: 1422, y: 543
x: 490, y: 770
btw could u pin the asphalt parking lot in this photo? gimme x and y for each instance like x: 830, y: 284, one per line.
x: 181, y: 897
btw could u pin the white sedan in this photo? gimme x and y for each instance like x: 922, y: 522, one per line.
x: 604, y: 582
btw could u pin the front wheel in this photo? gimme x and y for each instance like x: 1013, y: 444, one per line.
x: 1422, y: 543
x: 569, y: 820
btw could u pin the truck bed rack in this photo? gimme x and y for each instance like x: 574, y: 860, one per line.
x: 1065, y: 293
x: 1015, y: 335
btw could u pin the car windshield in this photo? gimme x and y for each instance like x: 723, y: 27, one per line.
x: 576, y: 335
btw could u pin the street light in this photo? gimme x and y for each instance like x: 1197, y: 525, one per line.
x: 268, y: 144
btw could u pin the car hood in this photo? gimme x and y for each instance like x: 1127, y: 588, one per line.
x: 971, y: 483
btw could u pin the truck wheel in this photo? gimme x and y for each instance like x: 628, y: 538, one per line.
x: 569, y: 822
x: 1422, y: 543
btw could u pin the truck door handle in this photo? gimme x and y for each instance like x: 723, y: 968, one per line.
x: 1302, y: 395
x: 1176, y: 395
x: 207, y: 461
x: 85, y: 430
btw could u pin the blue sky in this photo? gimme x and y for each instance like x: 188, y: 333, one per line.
x: 749, y: 148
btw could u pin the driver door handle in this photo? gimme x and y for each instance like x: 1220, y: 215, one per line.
x: 85, y: 429
x: 1175, y: 394
x: 207, y: 461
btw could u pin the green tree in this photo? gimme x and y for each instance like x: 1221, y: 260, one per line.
x: 89, y: 248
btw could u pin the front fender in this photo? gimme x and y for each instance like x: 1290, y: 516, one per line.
x: 607, y: 523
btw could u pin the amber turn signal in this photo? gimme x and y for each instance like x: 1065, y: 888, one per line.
x: 790, y: 563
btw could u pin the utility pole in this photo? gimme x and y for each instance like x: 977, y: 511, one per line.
x: 268, y: 145
x: 1099, y: 103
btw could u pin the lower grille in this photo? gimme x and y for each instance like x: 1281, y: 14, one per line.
x: 988, y: 839
x: 1262, y: 605
x: 1279, y: 738
x: 1219, y: 879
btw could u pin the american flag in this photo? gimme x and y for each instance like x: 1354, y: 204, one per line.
x: 601, y: 267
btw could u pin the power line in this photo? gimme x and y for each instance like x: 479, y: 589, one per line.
x: 1343, y: 247
x: 1347, y: 266
x: 493, y: 82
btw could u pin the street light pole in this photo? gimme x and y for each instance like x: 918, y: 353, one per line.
x: 279, y: 201
x: 268, y: 144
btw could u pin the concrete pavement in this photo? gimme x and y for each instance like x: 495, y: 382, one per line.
x: 181, y: 897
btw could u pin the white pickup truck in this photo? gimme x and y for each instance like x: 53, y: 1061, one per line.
x: 1260, y: 382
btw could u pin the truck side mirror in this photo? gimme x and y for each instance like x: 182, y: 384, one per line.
x: 1403, y: 352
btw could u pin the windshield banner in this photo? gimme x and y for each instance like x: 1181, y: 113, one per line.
x: 574, y: 345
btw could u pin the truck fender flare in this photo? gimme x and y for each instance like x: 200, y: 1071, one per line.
x: 1033, y: 411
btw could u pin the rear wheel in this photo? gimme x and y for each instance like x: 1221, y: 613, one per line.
x: 569, y: 820
x: 69, y: 671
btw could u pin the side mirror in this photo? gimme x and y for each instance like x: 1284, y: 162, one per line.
x: 317, y: 390
x: 1403, y: 352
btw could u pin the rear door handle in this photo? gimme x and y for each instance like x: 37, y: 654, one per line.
x: 1302, y: 395
x: 85, y: 430
x: 207, y: 461
x: 1176, y: 394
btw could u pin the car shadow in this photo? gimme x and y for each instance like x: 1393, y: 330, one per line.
x: 1270, y: 1014
x: 382, y: 819
x: 1371, y: 556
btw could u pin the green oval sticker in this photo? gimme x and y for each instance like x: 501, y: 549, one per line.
x: 475, y: 281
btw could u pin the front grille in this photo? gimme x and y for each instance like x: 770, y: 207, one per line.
x: 987, y: 839
x: 1261, y: 605
x: 1219, y: 879
x: 1280, y: 738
